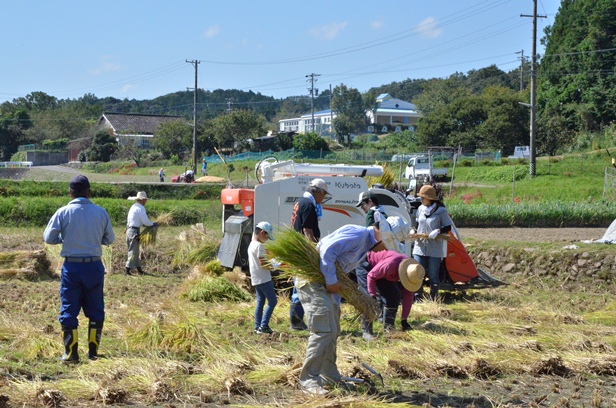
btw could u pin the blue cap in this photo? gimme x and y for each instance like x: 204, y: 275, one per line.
x: 267, y: 227
x: 79, y: 183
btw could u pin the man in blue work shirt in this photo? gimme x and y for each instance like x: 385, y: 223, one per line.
x: 82, y: 228
x: 346, y: 246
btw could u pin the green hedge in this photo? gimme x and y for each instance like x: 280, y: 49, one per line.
x: 547, y: 215
x: 10, y: 188
x: 36, y: 211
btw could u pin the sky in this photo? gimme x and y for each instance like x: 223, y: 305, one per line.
x: 139, y: 49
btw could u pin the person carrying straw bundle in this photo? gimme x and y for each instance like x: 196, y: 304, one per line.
x: 82, y: 228
x: 321, y: 280
x: 137, y: 218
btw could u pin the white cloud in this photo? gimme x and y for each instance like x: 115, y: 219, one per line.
x: 106, y: 66
x: 428, y: 28
x: 328, y: 32
x: 212, y: 31
x: 127, y: 88
x: 377, y: 24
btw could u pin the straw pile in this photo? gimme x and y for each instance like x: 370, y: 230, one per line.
x: 300, y: 258
x: 386, y: 179
x: 147, y: 236
x: 28, y: 265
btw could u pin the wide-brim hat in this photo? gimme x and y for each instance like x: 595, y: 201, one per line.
x: 411, y: 274
x: 141, y: 195
x: 428, y: 192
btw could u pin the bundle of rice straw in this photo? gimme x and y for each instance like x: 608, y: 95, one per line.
x: 300, y: 258
x: 28, y: 265
x: 147, y: 236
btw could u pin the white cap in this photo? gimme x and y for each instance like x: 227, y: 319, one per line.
x: 319, y: 183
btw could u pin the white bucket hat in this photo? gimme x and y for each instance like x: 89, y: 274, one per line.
x: 141, y: 195
x: 411, y: 274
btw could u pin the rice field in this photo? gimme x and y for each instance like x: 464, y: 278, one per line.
x: 527, y: 344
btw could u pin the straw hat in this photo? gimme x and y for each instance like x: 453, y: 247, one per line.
x: 411, y: 274
x: 141, y: 195
x: 428, y: 192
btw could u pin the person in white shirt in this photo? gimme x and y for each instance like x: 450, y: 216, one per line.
x: 137, y: 218
x: 261, y: 278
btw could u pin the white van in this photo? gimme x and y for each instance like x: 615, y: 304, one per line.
x: 521, y: 152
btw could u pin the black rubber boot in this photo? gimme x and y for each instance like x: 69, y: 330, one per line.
x: 366, y: 329
x: 434, y: 292
x: 297, y: 323
x: 140, y: 271
x: 71, y: 352
x: 127, y: 272
x: 390, y: 318
x: 95, y: 330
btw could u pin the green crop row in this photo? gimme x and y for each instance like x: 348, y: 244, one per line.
x: 36, y: 211
x: 527, y: 215
x: 169, y: 191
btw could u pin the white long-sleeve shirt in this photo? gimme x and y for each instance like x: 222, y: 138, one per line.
x: 137, y: 217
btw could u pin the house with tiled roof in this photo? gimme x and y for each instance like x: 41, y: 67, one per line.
x: 135, y: 127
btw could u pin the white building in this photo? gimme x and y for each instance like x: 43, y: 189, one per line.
x: 391, y: 114
x: 322, y: 123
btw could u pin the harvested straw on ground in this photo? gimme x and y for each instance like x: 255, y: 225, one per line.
x: 148, y: 234
x: 301, y: 259
x: 29, y: 265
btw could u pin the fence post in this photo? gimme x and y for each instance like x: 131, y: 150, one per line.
x: 513, y: 185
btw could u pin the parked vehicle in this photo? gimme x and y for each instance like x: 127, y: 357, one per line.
x: 521, y: 152
x: 421, y: 167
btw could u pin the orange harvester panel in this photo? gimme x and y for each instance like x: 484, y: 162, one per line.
x: 242, y: 196
x: 459, y: 264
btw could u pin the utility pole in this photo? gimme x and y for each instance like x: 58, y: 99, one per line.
x: 331, y: 113
x: 533, y: 90
x: 312, y: 80
x: 229, y: 102
x: 195, y: 63
x: 522, y: 60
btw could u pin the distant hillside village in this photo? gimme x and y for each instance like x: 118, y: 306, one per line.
x: 390, y: 115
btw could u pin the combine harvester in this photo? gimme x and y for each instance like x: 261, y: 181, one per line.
x: 281, y: 184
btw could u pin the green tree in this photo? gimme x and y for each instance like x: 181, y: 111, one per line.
x: 309, y: 141
x: 233, y: 130
x: 405, y: 141
x: 173, y: 138
x: 493, y: 120
x: 441, y: 92
x: 103, y: 146
x: 13, y: 127
x: 577, y: 76
x: 350, y: 113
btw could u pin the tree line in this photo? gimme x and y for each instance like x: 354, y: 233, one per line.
x: 479, y: 109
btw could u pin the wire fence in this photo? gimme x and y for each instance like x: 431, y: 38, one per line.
x: 609, y: 183
x: 345, y: 156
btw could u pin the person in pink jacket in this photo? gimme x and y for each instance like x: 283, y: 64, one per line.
x: 394, y: 276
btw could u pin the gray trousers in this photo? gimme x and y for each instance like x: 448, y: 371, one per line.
x: 323, y: 319
x: 132, y: 243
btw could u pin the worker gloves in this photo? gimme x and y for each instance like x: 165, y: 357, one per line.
x: 434, y: 233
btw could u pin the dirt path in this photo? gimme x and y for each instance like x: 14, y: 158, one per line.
x: 570, y: 235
